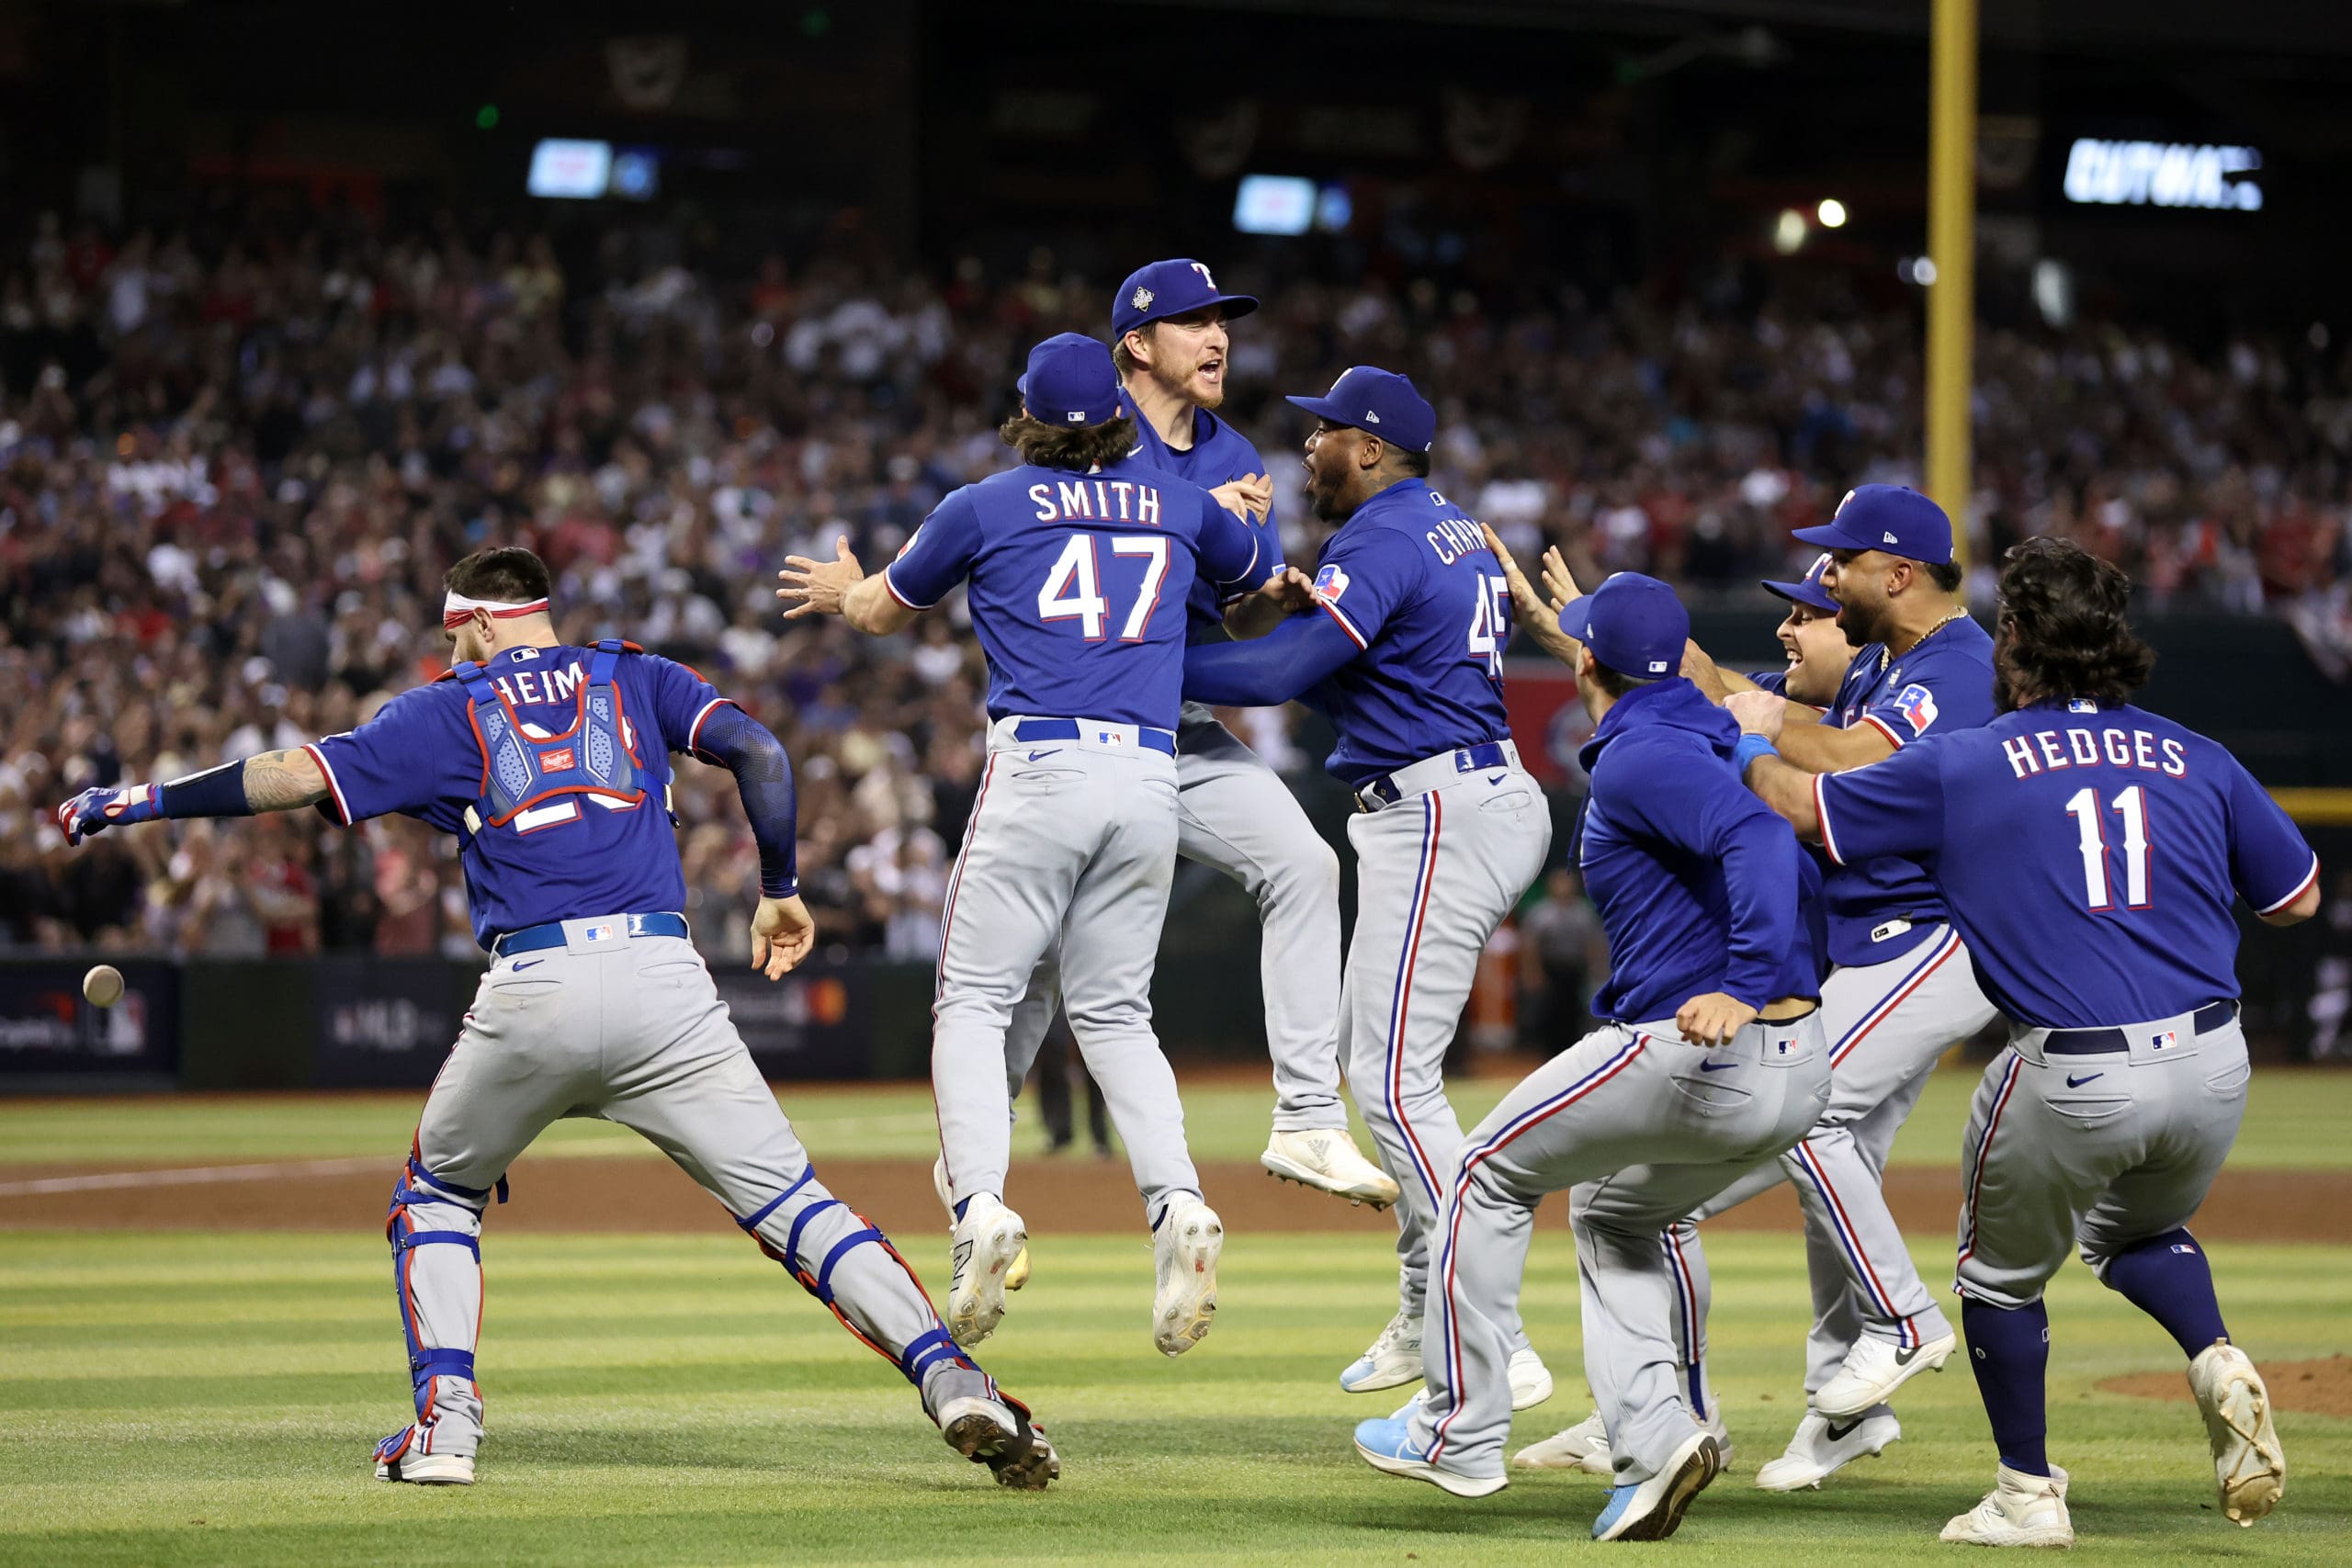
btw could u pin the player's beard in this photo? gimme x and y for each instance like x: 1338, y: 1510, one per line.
x: 1862, y: 624
x: 1201, y: 394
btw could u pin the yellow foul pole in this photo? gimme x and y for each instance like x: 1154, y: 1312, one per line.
x: 1951, y: 245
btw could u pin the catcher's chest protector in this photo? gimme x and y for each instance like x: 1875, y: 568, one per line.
x: 529, y: 783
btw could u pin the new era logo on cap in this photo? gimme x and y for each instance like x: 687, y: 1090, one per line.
x: 1369, y: 399
x: 1894, y: 518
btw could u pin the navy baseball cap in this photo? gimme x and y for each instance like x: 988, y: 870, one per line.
x: 1167, y: 288
x: 1807, y: 591
x: 1633, y: 624
x: 1894, y: 518
x: 1070, y: 382
x: 1380, y: 402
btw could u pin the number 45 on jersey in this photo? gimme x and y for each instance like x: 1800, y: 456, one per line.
x: 1074, y: 589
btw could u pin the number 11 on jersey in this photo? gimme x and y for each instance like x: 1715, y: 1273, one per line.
x: 2132, y: 805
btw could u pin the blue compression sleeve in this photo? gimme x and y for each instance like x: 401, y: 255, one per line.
x: 742, y: 745
x: 216, y: 792
x: 1272, y: 670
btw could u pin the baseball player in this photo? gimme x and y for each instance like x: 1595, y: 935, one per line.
x: 550, y: 763
x: 2104, y: 926
x: 1405, y: 657
x: 1902, y: 992
x: 1234, y: 813
x: 1076, y: 560
x: 1713, y: 1059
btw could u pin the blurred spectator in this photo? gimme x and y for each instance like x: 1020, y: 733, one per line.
x: 1564, y: 960
x: 234, y: 461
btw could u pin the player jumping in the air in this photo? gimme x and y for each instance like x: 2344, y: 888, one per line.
x: 1405, y: 656
x: 1073, y: 558
x: 550, y: 763
x: 1234, y: 813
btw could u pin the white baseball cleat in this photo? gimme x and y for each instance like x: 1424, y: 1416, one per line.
x: 1874, y: 1370
x: 2248, y: 1464
x: 1185, y: 1247
x: 1016, y: 1273
x: 1531, y: 1380
x: 1326, y: 1158
x: 2021, y: 1510
x: 987, y: 1240
x: 397, y: 1460
x: 1584, y: 1447
x: 1822, y: 1446
x: 1393, y: 1360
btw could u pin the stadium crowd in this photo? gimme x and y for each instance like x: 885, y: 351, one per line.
x: 234, y: 467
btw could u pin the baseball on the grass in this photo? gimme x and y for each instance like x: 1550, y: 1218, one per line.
x: 103, y: 985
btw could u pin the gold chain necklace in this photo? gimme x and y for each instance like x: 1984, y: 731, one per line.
x: 1886, y: 658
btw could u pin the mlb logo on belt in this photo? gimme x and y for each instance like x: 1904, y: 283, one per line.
x: 1108, y: 738
x: 2166, y: 1041
x: 602, y: 931
x: 557, y: 761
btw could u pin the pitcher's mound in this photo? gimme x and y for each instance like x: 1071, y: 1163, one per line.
x: 2304, y: 1388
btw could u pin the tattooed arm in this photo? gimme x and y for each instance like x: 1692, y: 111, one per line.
x: 275, y: 781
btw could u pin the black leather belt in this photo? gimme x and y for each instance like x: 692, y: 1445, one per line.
x: 2095, y: 1041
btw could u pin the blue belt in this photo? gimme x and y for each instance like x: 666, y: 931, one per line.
x: 2095, y: 1041
x: 530, y: 939
x: 1161, y: 740
x: 1467, y: 760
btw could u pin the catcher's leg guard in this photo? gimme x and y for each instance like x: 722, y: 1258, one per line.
x: 435, y: 1227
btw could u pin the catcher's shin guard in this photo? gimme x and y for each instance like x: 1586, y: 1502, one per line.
x: 435, y: 1227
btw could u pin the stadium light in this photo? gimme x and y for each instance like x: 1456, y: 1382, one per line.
x: 1789, y: 232
x: 1831, y: 213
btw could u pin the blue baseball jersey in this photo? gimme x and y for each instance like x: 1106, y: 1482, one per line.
x: 1218, y: 453
x: 1078, y: 582
x: 1944, y: 684
x: 1699, y: 886
x: 1410, y: 580
x: 2091, y: 856
x: 418, y: 757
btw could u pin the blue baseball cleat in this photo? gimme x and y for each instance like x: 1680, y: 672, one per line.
x: 1386, y: 1445
x: 1650, y: 1510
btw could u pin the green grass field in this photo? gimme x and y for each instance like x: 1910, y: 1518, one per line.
x: 213, y: 1397
x: 2295, y: 1121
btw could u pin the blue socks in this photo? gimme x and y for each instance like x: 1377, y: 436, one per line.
x: 2167, y: 1278
x: 2009, y: 1350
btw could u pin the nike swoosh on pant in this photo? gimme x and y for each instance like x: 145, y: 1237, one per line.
x: 1715, y: 1066
x: 2074, y: 1082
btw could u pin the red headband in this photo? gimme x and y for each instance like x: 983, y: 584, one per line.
x: 457, y: 610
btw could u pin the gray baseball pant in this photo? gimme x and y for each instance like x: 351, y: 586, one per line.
x: 1072, y: 843
x: 2095, y: 1151
x: 629, y: 1029
x: 1235, y: 815
x: 1436, y: 872
x: 1644, y: 1127
x: 1888, y: 1024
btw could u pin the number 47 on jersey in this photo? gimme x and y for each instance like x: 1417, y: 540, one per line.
x: 1073, y: 590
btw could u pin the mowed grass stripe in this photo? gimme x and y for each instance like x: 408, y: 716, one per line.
x: 659, y: 1399
x: 2294, y: 1121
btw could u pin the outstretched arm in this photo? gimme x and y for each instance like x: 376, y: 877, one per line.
x: 840, y: 587
x: 1537, y: 613
x: 1270, y: 670
x: 273, y: 781
x: 782, y: 930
